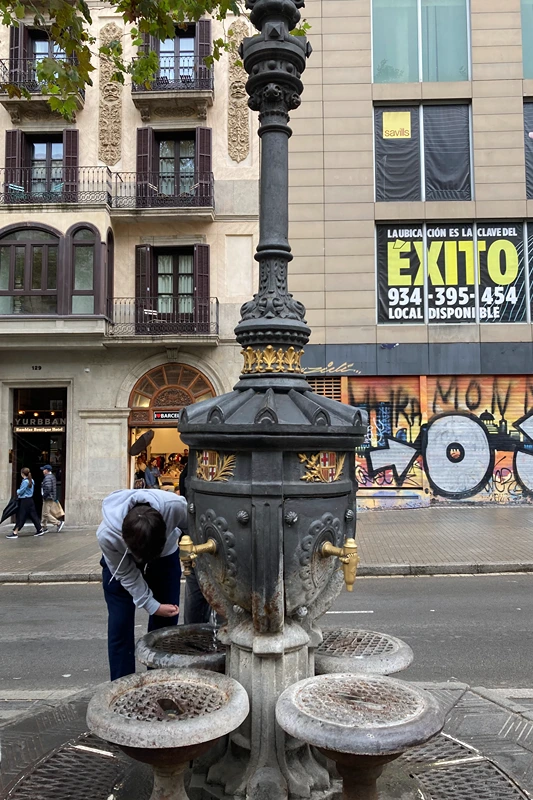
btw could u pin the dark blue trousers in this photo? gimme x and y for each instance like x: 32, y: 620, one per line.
x: 163, y: 577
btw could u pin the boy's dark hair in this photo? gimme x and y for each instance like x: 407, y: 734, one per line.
x: 145, y: 532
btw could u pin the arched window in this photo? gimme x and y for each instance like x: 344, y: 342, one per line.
x: 29, y: 265
x: 83, y: 271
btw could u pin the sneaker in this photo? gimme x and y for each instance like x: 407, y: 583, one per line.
x: 60, y: 525
x: 12, y: 535
x: 41, y: 532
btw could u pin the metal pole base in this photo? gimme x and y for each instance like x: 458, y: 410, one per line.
x: 359, y: 773
x: 168, y: 783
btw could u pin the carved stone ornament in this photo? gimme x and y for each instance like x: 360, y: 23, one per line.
x: 215, y: 467
x: 139, y: 416
x: 238, y: 113
x: 110, y: 116
x: 169, y: 398
x: 322, y: 467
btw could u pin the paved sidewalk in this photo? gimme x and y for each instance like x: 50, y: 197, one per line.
x: 424, y: 541
x: 485, y: 751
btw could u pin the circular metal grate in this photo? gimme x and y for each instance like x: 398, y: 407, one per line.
x: 350, y: 642
x: 175, y: 700
x: 369, y: 702
x: 192, y: 644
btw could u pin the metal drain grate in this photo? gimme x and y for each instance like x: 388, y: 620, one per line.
x: 439, y: 749
x: 71, y: 773
x: 191, y: 644
x: 469, y: 782
x: 362, y: 644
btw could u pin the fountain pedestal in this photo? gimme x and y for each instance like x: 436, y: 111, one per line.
x: 361, y: 722
x: 167, y: 718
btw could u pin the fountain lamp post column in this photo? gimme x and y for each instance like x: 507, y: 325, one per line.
x: 272, y: 488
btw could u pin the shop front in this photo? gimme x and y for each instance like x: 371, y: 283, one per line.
x: 155, y: 403
x: 39, y: 429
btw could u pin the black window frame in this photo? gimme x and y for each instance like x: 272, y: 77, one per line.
x: 413, y: 163
x: 148, y: 319
x: 65, y: 245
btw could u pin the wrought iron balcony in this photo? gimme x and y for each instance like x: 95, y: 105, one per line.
x: 51, y: 184
x: 99, y: 186
x: 162, y: 190
x: 162, y: 316
x: 22, y: 73
x: 179, y: 74
x: 182, y: 82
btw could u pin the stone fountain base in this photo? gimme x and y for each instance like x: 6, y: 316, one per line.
x: 483, y: 752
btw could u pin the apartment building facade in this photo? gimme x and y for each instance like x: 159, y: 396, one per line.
x: 411, y: 203
x: 126, y: 249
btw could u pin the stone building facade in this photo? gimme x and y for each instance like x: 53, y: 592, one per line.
x: 126, y: 249
x: 412, y: 226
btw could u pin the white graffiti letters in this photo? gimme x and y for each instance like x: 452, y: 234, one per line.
x: 457, y: 455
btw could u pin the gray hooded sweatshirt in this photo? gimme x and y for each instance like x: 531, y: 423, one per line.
x: 123, y: 566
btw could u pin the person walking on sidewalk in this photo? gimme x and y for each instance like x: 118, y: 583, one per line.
x: 26, y: 507
x: 49, y: 493
x: 139, y: 537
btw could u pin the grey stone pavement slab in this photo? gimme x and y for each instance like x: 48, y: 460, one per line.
x: 423, y: 541
x: 485, y: 750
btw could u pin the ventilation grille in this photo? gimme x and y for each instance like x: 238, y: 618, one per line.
x: 328, y: 387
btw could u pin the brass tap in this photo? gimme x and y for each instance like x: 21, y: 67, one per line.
x: 348, y: 557
x: 189, y: 551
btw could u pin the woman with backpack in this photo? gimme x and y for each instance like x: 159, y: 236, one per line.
x: 26, y: 507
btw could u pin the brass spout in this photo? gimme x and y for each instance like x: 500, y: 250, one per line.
x: 189, y: 551
x: 347, y: 555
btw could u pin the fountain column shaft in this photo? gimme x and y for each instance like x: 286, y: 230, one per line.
x: 274, y: 218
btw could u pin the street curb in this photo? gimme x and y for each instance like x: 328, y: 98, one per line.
x: 376, y: 570
x: 364, y: 571
x: 50, y: 577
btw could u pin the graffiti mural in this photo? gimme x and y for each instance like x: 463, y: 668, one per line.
x: 445, y: 439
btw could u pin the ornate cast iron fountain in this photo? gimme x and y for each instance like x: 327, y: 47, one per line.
x: 272, y: 494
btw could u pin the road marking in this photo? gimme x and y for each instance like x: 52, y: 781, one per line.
x: 349, y: 612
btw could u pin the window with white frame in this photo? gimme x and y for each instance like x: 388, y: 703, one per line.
x: 420, y: 40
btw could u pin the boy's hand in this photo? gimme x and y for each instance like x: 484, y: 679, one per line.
x: 166, y: 610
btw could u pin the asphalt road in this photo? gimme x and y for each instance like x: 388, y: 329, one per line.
x: 476, y: 629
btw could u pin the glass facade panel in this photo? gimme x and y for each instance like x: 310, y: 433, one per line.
x: 395, y: 34
x: 34, y: 304
x: 20, y: 258
x: 37, y: 268
x: 5, y: 257
x: 83, y: 268
x: 6, y: 305
x: 444, y: 40
x: 527, y: 37
x: 29, y: 235
x: 83, y: 304
x: 52, y: 268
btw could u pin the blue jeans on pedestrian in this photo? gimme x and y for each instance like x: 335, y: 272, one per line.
x: 163, y: 577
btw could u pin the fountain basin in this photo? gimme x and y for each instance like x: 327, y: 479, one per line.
x: 167, y: 718
x: 359, y: 714
x: 183, y: 647
x: 360, y: 651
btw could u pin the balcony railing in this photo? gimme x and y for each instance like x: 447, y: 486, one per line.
x: 100, y: 186
x: 156, y: 190
x: 22, y: 72
x: 162, y: 316
x: 179, y: 74
x: 24, y: 185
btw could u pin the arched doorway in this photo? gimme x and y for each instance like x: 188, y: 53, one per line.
x: 155, y: 402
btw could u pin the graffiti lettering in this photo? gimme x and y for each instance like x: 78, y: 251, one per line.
x: 455, y: 437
